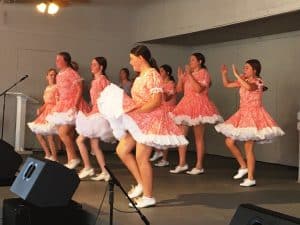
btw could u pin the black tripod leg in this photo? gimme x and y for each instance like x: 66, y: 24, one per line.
x: 111, y: 201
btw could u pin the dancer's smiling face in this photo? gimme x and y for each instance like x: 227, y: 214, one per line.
x: 249, y: 71
x: 194, y: 63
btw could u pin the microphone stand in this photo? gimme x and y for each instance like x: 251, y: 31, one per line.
x: 4, y: 98
x: 112, y: 182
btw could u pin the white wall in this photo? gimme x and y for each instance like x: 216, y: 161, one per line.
x: 164, y: 18
x: 29, y: 42
x: 279, y: 55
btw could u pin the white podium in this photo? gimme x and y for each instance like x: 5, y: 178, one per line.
x: 298, y: 127
x: 21, y: 118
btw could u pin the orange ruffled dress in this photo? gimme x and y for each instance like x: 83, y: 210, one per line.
x: 64, y: 113
x: 93, y: 124
x: 196, y: 108
x: 251, y: 121
x: 40, y: 125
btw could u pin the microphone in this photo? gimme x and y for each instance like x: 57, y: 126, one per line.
x: 23, y: 78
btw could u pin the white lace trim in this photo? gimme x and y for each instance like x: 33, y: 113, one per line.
x: 43, y: 129
x: 62, y: 118
x: 264, y: 135
x: 188, y: 121
x: 156, y: 141
x: 156, y: 90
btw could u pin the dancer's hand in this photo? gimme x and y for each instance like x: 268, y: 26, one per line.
x: 188, y: 70
x: 224, y: 70
x: 180, y: 73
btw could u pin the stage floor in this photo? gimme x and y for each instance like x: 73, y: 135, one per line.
x: 210, y: 199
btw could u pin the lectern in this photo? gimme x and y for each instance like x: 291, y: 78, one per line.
x: 22, y: 100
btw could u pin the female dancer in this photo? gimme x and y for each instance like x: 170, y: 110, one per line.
x: 195, y: 109
x: 169, y: 101
x: 70, y: 101
x: 251, y: 123
x: 93, y: 125
x: 146, y: 121
x: 44, y: 130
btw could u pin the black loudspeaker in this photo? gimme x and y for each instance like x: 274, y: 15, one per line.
x: 10, y: 162
x: 45, y: 183
x: 248, y: 214
x: 19, y: 212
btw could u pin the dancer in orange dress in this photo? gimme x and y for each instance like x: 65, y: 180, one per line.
x: 70, y: 101
x: 93, y: 125
x: 169, y: 102
x: 146, y: 121
x: 44, y: 130
x: 195, y: 109
x: 251, y: 123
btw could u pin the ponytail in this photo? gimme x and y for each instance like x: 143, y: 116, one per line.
x: 142, y: 50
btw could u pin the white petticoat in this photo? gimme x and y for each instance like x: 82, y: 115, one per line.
x: 156, y: 141
x: 188, y: 121
x: 62, y: 118
x: 261, y: 136
x: 94, y: 126
x: 42, y: 128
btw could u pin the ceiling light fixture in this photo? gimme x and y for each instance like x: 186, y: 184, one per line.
x: 50, y: 7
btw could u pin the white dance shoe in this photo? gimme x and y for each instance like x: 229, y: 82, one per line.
x: 195, y: 171
x: 162, y: 163
x: 240, y: 174
x: 143, y: 202
x: 135, y: 191
x: 102, y: 176
x: 86, y: 172
x: 180, y: 169
x: 248, y: 183
x: 73, y: 163
x: 156, y: 156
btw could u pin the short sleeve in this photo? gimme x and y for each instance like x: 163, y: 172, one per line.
x: 101, y: 83
x: 75, y: 77
x: 154, y: 82
x: 260, y: 84
x: 203, y: 77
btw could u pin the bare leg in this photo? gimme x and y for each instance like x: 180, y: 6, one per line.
x: 230, y: 143
x: 52, y: 146
x: 182, y: 149
x: 250, y: 159
x: 199, y: 139
x: 124, y: 151
x: 66, y: 134
x: 83, y: 151
x: 143, y: 153
x: 44, y: 145
x: 165, y: 154
x: 58, y: 143
x: 98, y: 152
